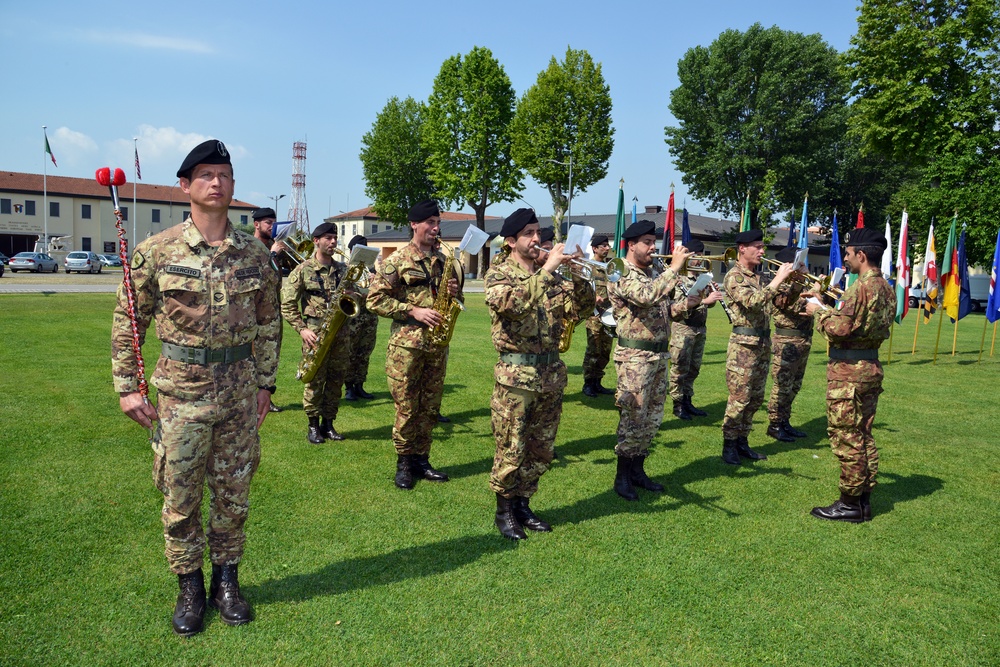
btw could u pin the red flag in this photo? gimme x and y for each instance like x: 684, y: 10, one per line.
x: 861, y: 218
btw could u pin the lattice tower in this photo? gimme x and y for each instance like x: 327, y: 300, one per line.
x: 297, y: 209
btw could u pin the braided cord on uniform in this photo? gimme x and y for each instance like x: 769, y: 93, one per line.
x: 130, y: 307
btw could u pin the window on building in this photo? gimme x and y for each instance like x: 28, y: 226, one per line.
x: 85, y: 243
x: 5, y: 206
x: 156, y: 215
x: 343, y: 229
x: 374, y: 229
x: 124, y: 212
x: 243, y: 220
x: 355, y: 232
x: 29, y: 207
x: 109, y: 247
x: 85, y: 211
x: 185, y: 214
x: 53, y: 209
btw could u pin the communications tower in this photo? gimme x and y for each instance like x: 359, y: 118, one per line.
x: 297, y: 209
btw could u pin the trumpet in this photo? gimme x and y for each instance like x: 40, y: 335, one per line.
x: 703, y: 263
x: 613, y: 270
x: 808, y: 280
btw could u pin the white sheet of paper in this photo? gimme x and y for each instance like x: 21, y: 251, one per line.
x: 819, y: 303
x: 835, y: 277
x: 801, y: 260
x: 363, y: 253
x: 703, y: 281
x: 578, y: 239
x: 473, y: 240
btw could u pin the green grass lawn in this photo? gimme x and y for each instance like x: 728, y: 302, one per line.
x: 725, y: 568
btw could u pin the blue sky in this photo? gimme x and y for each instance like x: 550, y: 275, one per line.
x: 261, y: 75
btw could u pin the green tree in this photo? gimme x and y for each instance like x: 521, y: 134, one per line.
x: 565, y: 118
x: 467, y: 134
x: 927, y: 82
x: 764, y: 100
x: 394, y: 161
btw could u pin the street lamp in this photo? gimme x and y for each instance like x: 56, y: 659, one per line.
x: 569, y: 203
x: 276, y: 198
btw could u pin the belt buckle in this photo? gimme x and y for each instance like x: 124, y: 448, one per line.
x: 194, y: 355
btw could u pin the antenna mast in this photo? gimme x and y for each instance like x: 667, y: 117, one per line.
x: 297, y: 209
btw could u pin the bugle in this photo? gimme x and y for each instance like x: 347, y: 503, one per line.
x: 808, y: 280
x: 612, y: 270
x: 703, y: 263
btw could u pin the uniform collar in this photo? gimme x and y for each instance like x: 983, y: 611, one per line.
x: 193, y: 237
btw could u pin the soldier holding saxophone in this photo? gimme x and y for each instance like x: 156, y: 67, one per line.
x: 306, y: 299
x: 405, y: 289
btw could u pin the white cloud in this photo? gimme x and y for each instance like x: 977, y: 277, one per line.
x: 161, y: 150
x: 147, y: 41
x: 72, y: 148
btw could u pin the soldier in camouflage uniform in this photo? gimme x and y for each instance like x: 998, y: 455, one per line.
x: 642, y: 309
x: 404, y: 289
x: 854, y: 374
x: 364, y: 329
x: 790, y: 345
x: 212, y: 291
x: 687, y: 342
x: 263, y: 224
x: 599, y: 341
x: 307, y: 299
x: 749, y: 349
x: 527, y: 310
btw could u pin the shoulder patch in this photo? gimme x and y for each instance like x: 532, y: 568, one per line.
x: 249, y: 272
x: 137, y: 259
x: 183, y: 270
x: 388, y: 269
x: 739, y: 278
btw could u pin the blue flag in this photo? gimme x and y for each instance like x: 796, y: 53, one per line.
x: 803, y: 235
x: 836, y: 261
x: 993, y: 304
x: 635, y: 200
x: 791, y: 230
x: 964, y: 297
x: 685, y: 230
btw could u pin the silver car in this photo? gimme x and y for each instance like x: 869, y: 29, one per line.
x: 83, y: 262
x: 33, y: 261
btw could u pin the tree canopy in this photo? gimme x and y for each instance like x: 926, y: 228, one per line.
x: 394, y: 161
x: 565, y: 117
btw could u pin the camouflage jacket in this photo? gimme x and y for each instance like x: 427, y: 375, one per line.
x: 405, y: 279
x: 204, y: 297
x: 683, y: 312
x: 307, y: 294
x: 749, y: 301
x: 641, y: 303
x: 862, y: 322
x: 789, y: 308
x: 527, y: 312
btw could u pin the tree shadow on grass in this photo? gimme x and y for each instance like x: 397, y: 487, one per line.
x: 900, y: 489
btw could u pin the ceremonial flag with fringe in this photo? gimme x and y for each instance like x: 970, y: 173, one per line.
x: 620, y: 223
x: 903, y: 272
x: 745, y: 219
x: 931, y: 285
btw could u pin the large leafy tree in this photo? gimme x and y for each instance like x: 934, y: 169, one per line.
x: 565, y: 118
x: 753, y: 103
x: 394, y: 161
x: 927, y: 86
x: 467, y: 134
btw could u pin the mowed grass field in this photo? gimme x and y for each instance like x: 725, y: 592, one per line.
x: 725, y: 568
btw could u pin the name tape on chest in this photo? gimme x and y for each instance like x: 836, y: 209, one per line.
x: 183, y: 271
x: 249, y: 272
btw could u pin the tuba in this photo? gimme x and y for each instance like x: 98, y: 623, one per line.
x: 346, y: 304
x: 445, y: 304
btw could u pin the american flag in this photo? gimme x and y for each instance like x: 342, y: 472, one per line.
x: 138, y: 171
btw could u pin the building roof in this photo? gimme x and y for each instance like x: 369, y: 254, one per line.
x: 66, y: 186
x: 367, y: 213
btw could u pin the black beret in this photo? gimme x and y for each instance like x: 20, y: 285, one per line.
x: 749, y: 236
x: 212, y: 151
x: 517, y: 221
x: 786, y: 254
x: 637, y: 229
x: 262, y: 213
x: 357, y: 240
x: 423, y: 210
x: 547, y: 234
x: 865, y: 237
x: 325, y: 228
x: 599, y: 239
x: 696, y: 246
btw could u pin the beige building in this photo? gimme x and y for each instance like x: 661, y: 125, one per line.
x: 80, y: 213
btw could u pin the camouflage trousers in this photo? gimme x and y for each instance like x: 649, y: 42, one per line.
x: 687, y: 347
x: 642, y: 390
x: 524, y: 428
x: 198, y: 442
x: 789, y: 358
x: 364, y: 329
x: 416, y: 381
x: 850, y: 414
x: 746, y: 375
x: 321, y: 396
x: 598, y: 353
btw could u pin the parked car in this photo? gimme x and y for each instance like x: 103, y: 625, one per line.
x: 979, y: 291
x: 1, y: 269
x: 916, y: 297
x: 82, y: 261
x: 33, y: 261
x: 4, y: 259
x: 111, y: 260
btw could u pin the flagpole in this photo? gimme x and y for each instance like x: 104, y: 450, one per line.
x: 45, y: 195
x: 891, y: 327
x: 954, y: 338
x: 982, y: 343
x: 937, y: 343
x: 994, y: 341
x: 917, y: 328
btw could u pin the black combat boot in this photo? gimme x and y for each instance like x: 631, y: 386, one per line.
x: 794, y: 432
x: 693, y: 411
x: 314, y: 435
x: 846, y: 508
x: 349, y: 393
x: 359, y: 391
x: 866, y: 505
x: 681, y: 411
x: 421, y: 465
x: 442, y: 419
x: 189, y: 612
x: 404, y: 476
x: 777, y: 431
x: 639, y: 477
x: 225, y: 596
x: 623, y: 479
x: 589, y: 389
x: 527, y: 518
x: 505, y: 520
x: 743, y: 449
x: 327, y: 430
x: 730, y: 454
x: 604, y: 391
x: 273, y: 408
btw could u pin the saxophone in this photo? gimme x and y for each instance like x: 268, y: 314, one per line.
x: 445, y: 304
x: 569, y: 325
x: 345, y: 304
